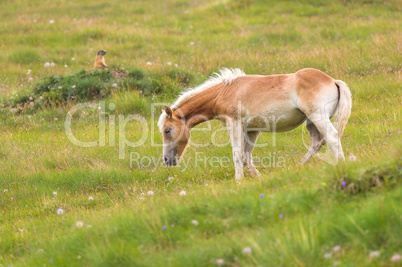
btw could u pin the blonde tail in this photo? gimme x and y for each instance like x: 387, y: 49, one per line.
x: 344, y: 106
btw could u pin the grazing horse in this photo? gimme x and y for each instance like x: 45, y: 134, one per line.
x: 249, y: 104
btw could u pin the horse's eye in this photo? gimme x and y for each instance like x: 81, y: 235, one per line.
x: 167, y: 130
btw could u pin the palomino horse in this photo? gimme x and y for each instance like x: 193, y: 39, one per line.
x: 249, y: 104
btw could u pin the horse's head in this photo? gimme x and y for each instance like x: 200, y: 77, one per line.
x: 175, y: 135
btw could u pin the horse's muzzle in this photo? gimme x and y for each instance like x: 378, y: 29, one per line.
x: 170, y: 162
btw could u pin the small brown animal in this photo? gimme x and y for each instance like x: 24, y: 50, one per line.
x: 100, y: 63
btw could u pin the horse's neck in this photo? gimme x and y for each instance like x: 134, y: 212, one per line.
x: 200, y: 107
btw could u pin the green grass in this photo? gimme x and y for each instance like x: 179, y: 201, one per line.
x: 305, y: 211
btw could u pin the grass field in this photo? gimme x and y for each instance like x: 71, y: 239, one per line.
x: 67, y: 205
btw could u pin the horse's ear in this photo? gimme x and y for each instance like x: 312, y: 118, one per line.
x: 168, y: 111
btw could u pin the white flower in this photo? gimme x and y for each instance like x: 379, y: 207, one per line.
x: 352, y: 158
x: 170, y: 179
x: 91, y: 198
x: 327, y: 255
x: 21, y: 230
x: 56, y: 119
x: 31, y: 98
x: 176, y: 65
x: 29, y: 72
x: 52, y: 64
x: 182, y: 193
x: 149, y: 63
x: 51, y: 21
x: 41, y: 97
x: 66, y: 66
x: 194, y: 222
x: 54, y: 193
x: 73, y: 58
x: 336, y: 249
x: 5, y: 190
x: 89, y: 226
x: 169, y: 63
x: 396, y: 258
x: 150, y: 193
x: 192, y: 43
x: 114, y: 85
x: 60, y: 87
x: 47, y: 64
x: 142, y: 194
x: 246, y: 250
x: 73, y: 86
x: 79, y: 224
x: 220, y: 262
x: 374, y: 254
x: 30, y: 79
x: 60, y: 211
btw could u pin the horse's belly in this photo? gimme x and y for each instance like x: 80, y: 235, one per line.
x: 275, y: 121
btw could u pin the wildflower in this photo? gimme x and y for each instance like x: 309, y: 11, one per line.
x: 66, y: 66
x: 149, y: 63
x: 29, y: 72
x: 73, y: 58
x: 79, y: 224
x: 142, y: 194
x: 47, y: 64
x: 352, y: 158
x: 41, y: 97
x: 327, y: 255
x: 261, y: 195
x: 60, y: 211
x: 31, y: 98
x: 54, y: 193
x: 55, y: 119
x: 396, y: 258
x: 194, y: 222
x: 89, y: 226
x: 90, y: 198
x: 51, y: 21
x: 31, y: 104
x: 169, y: 63
x: 220, y: 262
x: 5, y: 190
x: 51, y: 260
x: 281, y: 215
x: 39, y: 251
x: 343, y: 184
x: 182, y: 193
x: 176, y: 65
x: 73, y: 86
x: 246, y: 250
x: 30, y: 79
x: 52, y: 64
x: 336, y: 249
x: 170, y: 179
x: 163, y: 228
x: 374, y: 254
x: 21, y: 230
x: 192, y: 43
x: 150, y: 193
x: 114, y: 85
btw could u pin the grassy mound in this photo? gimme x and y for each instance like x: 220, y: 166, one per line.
x: 91, y: 85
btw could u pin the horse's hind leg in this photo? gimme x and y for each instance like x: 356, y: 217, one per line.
x: 317, y: 141
x: 330, y: 134
x: 249, y: 143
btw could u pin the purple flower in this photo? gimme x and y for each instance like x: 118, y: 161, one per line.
x: 61, y: 109
x: 343, y: 184
x: 163, y: 228
x: 281, y: 215
x: 51, y: 260
x: 261, y: 195
x: 389, y: 132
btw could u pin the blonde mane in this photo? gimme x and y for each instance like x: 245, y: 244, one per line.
x: 226, y: 76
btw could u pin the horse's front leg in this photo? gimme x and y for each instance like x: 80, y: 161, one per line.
x: 249, y: 143
x: 237, y: 139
